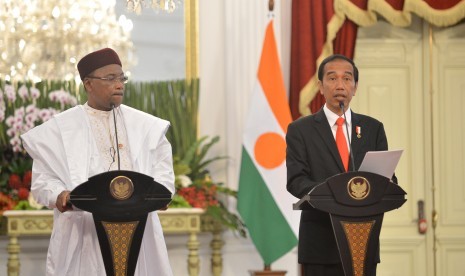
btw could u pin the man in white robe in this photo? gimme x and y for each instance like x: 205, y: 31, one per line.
x: 79, y: 143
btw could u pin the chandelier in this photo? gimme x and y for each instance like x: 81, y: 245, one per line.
x: 44, y: 39
x: 158, y: 5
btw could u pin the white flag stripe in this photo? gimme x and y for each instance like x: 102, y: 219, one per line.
x: 260, y: 121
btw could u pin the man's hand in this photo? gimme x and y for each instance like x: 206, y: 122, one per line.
x: 62, y: 203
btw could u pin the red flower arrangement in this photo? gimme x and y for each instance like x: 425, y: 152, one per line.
x: 6, y: 202
x: 19, y: 190
x: 195, y: 188
x: 205, y: 194
x: 202, y: 196
x: 15, y: 180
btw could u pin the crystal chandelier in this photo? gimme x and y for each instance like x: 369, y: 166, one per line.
x: 158, y: 5
x: 44, y: 39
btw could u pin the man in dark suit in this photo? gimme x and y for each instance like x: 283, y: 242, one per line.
x: 313, y: 156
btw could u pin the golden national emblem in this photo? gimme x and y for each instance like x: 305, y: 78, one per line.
x: 358, y: 188
x: 121, y: 187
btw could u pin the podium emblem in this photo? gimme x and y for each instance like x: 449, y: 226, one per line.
x: 358, y: 188
x: 121, y: 187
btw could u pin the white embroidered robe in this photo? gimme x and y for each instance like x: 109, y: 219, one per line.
x: 65, y: 155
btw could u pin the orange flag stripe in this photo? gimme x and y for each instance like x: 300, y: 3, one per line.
x: 271, y: 79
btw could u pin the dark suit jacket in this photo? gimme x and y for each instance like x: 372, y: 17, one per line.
x: 312, y: 157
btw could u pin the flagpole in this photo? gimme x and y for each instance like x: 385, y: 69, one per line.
x: 267, y: 267
x: 255, y: 165
x: 268, y: 272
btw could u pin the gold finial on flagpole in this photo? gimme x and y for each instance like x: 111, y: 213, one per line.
x: 270, y: 5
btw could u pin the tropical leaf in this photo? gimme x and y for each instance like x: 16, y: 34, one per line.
x: 230, y: 220
x: 195, y: 156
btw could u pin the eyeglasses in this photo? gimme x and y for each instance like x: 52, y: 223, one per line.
x: 111, y: 78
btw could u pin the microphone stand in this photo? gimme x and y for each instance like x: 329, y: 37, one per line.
x: 116, y: 136
x: 341, y: 105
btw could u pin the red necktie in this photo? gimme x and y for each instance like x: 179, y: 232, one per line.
x: 341, y: 143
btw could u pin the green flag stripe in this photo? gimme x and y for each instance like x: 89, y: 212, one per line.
x: 269, y: 230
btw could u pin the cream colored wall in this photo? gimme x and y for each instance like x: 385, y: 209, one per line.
x: 448, y: 128
x: 159, y: 40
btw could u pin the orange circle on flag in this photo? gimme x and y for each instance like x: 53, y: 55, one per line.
x: 270, y: 150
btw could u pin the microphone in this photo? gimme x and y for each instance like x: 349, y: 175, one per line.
x: 341, y: 105
x: 116, y: 135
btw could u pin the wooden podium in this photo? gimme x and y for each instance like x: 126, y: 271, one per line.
x: 120, y: 202
x: 356, y: 202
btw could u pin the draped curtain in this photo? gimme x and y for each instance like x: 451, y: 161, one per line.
x: 321, y: 28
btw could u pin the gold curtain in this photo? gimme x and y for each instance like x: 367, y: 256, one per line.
x: 364, y: 13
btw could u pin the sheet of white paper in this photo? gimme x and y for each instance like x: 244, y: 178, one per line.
x: 381, y: 162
